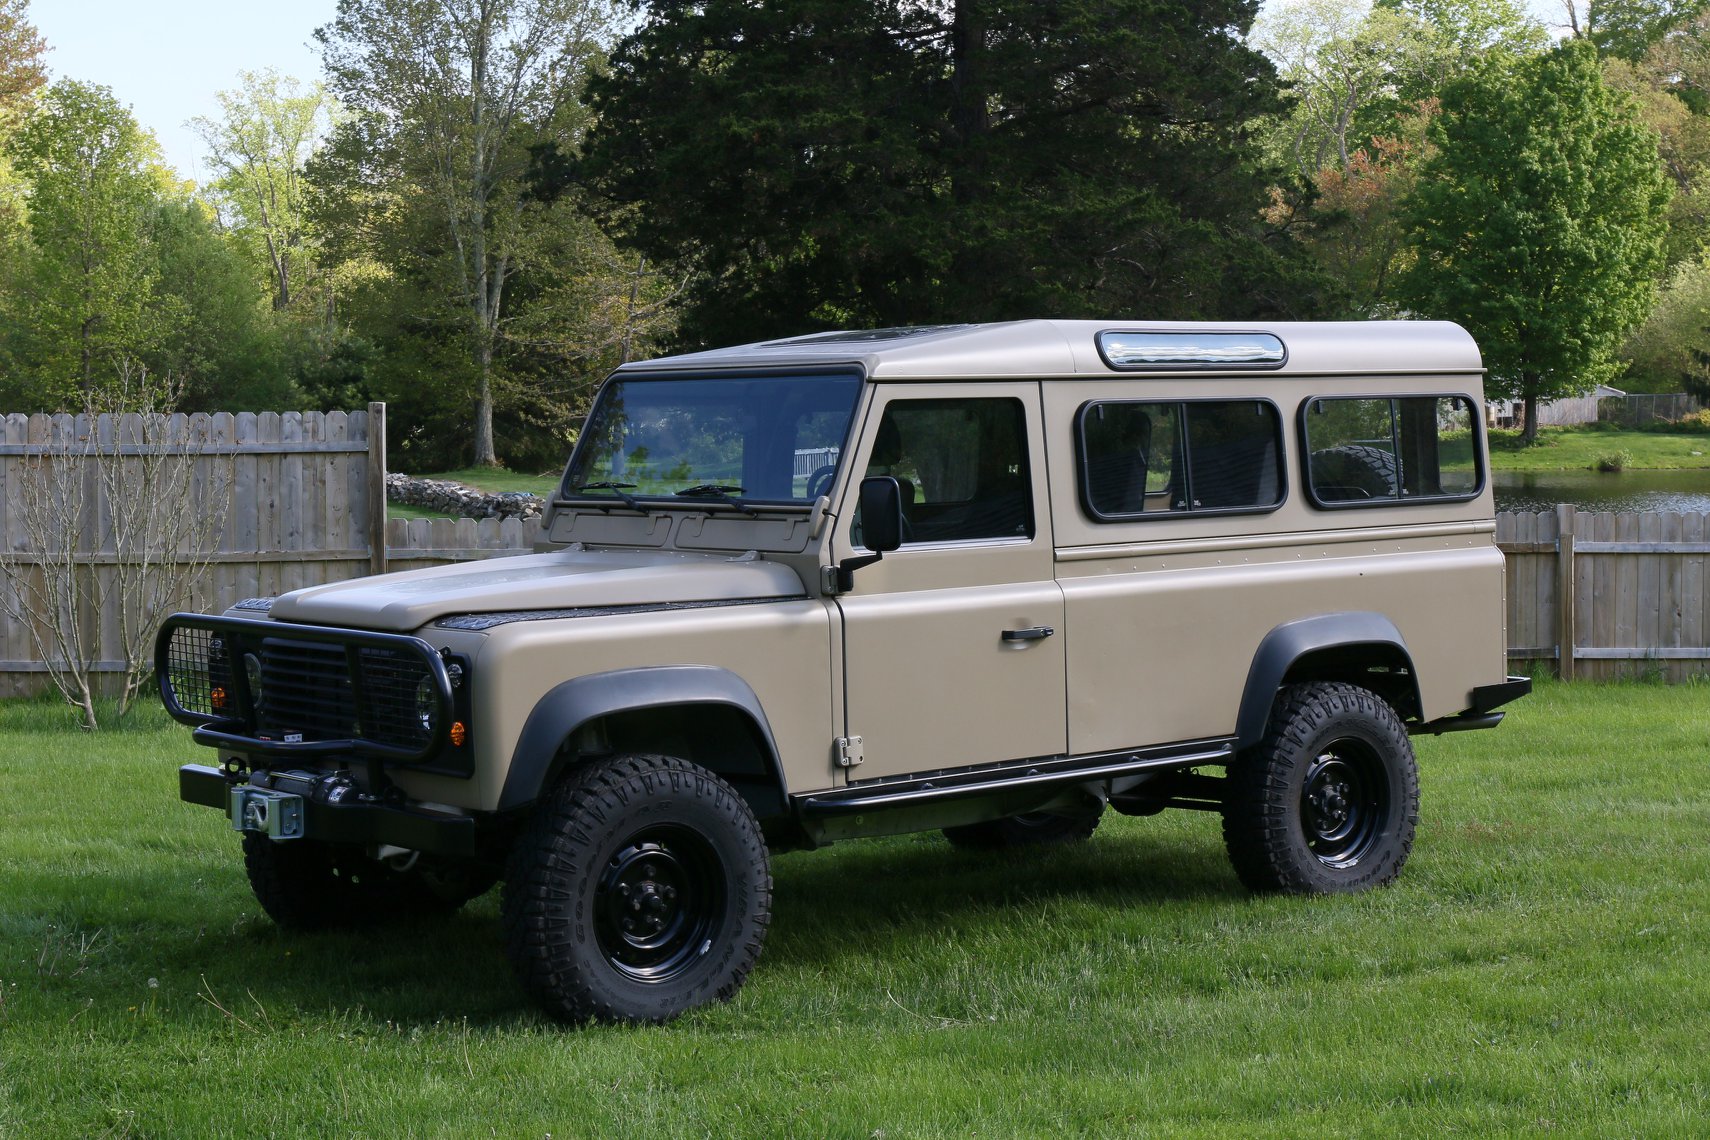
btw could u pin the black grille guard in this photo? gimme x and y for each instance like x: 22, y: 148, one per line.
x: 197, y: 656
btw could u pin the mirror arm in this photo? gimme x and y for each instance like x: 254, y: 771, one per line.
x: 846, y: 570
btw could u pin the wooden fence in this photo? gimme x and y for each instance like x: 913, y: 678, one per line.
x: 304, y: 504
x: 1625, y: 594
x: 1608, y: 595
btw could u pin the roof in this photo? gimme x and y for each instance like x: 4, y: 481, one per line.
x: 1044, y: 348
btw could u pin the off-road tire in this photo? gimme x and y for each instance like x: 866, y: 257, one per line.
x: 305, y: 884
x: 1369, y: 472
x: 1328, y: 800
x: 1036, y: 828
x: 640, y: 888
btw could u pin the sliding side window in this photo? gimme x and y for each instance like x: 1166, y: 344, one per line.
x: 1143, y: 460
x: 1369, y: 451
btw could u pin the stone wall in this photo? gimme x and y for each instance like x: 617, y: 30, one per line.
x: 450, y: 498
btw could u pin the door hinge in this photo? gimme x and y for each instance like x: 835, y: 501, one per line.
x: 849, y: 751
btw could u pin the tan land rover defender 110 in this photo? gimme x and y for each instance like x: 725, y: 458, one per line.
x: 993, y: 579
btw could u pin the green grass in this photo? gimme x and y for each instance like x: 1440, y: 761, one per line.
x: 1541, y: 968
x: 1582, y: 449
x: 495, y: 479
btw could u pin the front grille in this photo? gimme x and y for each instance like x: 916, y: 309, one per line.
x: 305, y: 685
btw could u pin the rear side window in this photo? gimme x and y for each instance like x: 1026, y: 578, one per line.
x: 1372, y: 450
x: 1144, y: 460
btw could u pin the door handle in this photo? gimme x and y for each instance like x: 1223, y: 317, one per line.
x: 1031, y: 633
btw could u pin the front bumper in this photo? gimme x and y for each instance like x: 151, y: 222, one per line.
x: 360, y: 821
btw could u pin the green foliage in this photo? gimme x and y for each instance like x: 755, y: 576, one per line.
x: 1610, y: 462
x: 23, y: 70
x: 259, y: 148
x: 1538, y: 223
x: 82, y: 298
x: 1627, y: 29
x: 1660, y: 352
x: 223, y: 350
x: 828, y: 163
x: 450, y: 105
x: 1539, y: 968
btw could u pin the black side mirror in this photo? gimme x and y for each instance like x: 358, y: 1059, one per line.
x: 881, y: 513
x: 881, y: 526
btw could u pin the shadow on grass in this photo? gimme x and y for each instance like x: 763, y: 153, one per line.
x: 225, y: 957
x: 857, y: 899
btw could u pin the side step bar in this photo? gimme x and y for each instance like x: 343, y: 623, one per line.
x: 1028, y: 774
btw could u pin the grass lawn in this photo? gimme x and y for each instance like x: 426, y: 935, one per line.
x: 495, y: 479
x: 1579, y: 449
x: 1541, y: 968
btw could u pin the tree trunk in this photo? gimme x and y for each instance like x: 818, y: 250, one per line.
x: 486, y: 295
x: 1531, y: 413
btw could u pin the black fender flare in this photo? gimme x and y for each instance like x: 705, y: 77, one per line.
x: 568, y: 706
x: 1289, y: 642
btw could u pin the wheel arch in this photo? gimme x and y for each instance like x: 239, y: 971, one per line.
x: 650, y: 710
x: 1359, y: 647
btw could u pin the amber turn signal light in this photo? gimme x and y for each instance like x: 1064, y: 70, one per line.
x: 217, y: 697
x: 458, y: 733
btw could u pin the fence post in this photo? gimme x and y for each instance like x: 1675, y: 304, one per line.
x: 377, y: 488
x: 1566, y: 588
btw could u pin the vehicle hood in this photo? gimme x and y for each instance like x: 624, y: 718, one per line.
x: 559, y: 580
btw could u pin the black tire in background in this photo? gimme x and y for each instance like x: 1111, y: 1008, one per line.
x: 1028, y: 830
x: 640, y: 889
x: 1328, y: 800
x: 305, y: 884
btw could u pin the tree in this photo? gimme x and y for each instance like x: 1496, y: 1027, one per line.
x: 1665, y: 348
x: 259, y: 147
x: 22, y: 70
x: 1538, y: 222
x: 224, y: 350
x: 449, y: 96
x: 86, y: 290
x: 828, y: 163
x: 1340, y: 64
x: 1627, y: 29
x: 1465, y: 30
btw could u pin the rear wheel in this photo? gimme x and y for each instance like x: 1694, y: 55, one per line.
x: 1328, y: 800
x: 641, y: 889
x: 1027, y: 830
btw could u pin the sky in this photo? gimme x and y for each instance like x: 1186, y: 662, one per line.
x: 167, y: 61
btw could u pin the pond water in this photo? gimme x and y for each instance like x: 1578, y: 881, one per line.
x: 1597, y: 491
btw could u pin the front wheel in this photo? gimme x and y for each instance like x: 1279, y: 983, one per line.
x: 1328, y: 800
x: 641, y: 889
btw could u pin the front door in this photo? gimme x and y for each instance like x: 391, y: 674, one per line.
x: 954, y: 644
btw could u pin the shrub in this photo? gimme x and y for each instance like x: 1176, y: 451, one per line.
x: 1613, y: 461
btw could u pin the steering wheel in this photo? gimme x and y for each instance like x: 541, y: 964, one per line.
x: 820, y: 481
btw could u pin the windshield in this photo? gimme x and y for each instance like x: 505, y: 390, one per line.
x: 772, y: 439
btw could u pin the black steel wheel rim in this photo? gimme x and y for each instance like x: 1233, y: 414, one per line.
x: 1344, y: 801
x: 659, y: 903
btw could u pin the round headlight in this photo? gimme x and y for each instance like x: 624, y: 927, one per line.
x: 427, y: 703
x: 252, y: 672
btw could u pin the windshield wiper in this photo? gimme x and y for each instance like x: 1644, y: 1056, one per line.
x: 721, y: 492
x: 617, y: 489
